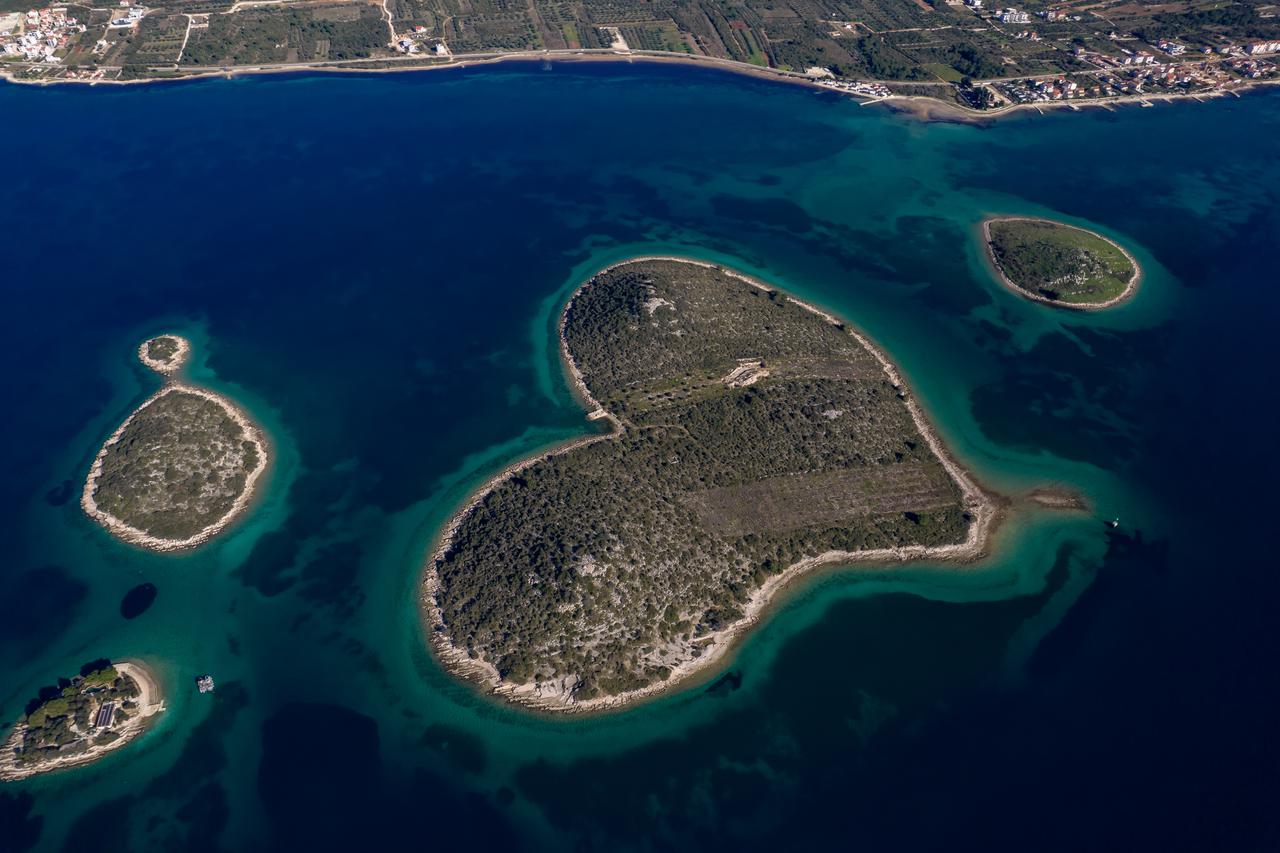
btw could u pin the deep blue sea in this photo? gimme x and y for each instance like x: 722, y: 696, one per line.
x: 373, y: 266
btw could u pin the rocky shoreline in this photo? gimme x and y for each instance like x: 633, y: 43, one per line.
x: 1130, y: 288
x: 150, y: 702
x: 174, y: 364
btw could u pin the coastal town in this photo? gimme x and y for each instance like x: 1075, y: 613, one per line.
x: 958, y: 53
x: 41, y: 35
x: 1136, y: 73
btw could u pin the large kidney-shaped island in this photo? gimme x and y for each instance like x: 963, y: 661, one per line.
x: 753, y: 438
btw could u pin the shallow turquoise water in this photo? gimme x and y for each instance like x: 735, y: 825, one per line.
x: 374, y: 266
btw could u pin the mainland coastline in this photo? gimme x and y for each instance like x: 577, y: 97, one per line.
x: 149, y: 702
x: 921, y: 107
x: 251, y: 433
x: 986, y: 508
x: 1131, y: 287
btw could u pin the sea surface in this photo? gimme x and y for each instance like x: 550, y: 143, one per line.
x: 373, y: 267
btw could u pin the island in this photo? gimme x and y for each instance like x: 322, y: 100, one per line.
x: 1060, y: 264
x: 82, y: 719
x: 181, y: 467
x: 165, y: 354
x: 752, y: 438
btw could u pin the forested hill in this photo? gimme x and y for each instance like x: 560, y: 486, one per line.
x: 755, y: 433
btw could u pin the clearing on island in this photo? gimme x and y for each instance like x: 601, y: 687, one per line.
x: 1060, y: 264
x: 179, y: 468
x: 752, y: 435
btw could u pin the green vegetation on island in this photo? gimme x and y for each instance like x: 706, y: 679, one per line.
x: 179, y: 467
x: 79, y: 718
x: 63, y: 724
x: 164, y: 353
x: 163, y: 348
x: 1058, y: 263
x: 751, y: 433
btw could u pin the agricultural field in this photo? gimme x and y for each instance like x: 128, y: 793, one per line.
x: 1198, y: 22
x: 295, y: 33
x: 933, y: 48
x: 752, y: 434
x: 1059, y: 263
x: 157, y: 40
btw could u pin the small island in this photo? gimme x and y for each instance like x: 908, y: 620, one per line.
x: 752, y: 439
x: 181, y: 467
x: 165, y: 354
x: 1060, y: 264
x: 83, y: 718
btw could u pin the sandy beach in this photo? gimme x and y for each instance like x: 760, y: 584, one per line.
x: 150, y: 702
x: 1129, y: 290
x: 985, y: 508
